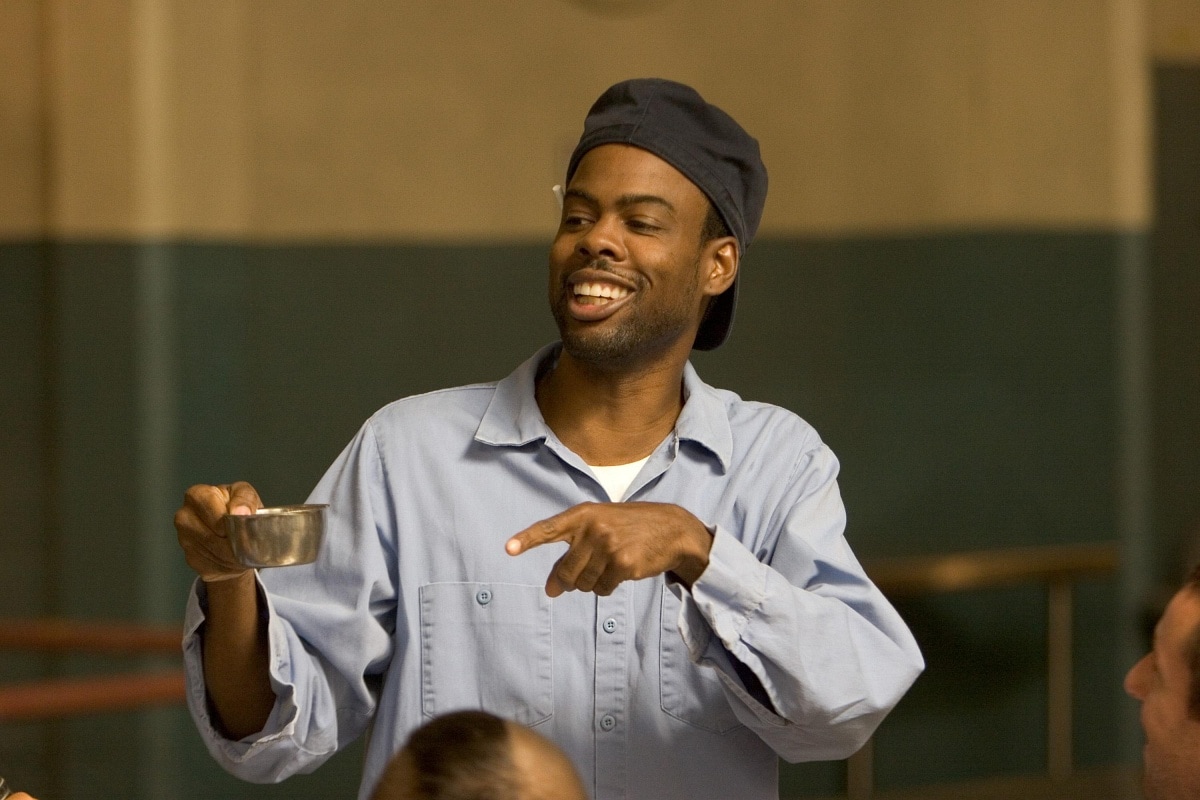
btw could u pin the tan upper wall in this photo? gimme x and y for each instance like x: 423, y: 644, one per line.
x: 1175, y: 30
x: 21, y: 125
x: 450, y: 119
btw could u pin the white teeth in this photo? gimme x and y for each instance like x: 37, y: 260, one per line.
x: 601, y: 290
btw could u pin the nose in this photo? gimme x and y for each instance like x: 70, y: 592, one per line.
x: 602, y: 239
x: 1135, y: 679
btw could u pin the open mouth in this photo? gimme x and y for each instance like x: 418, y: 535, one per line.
x: 598, y: 294
x: 596, y: 300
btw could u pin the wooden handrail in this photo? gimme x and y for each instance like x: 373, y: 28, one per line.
x: 1057, y: 567
x: 954, y: 572
x: 69, y: 697
x: 84, y: 636
x: 908, y: 576
x: 54, y: 699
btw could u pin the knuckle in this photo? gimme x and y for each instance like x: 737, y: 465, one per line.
x: 205, y: 491
x: 197, y: 495
x: 208, y: 500
x: 243, y: 490
x: 624, y: 562
x: 590, y: 575
x: 186, y: 522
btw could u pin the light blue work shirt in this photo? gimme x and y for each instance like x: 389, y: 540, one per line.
x: 414, y: 608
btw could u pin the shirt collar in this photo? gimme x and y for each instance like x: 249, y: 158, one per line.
x: 704, y: 419
x: 513, y: 417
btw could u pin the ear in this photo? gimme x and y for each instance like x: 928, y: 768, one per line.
x: 720, y: 265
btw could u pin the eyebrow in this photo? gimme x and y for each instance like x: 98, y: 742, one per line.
x: 624, y: 201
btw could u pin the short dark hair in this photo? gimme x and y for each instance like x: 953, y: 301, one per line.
x: 714, y: 227
x: 463, y: 755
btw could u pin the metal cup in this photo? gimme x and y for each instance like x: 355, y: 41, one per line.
x: 277, y: 537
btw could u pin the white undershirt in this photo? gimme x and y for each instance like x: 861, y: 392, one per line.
x: 616, y: 480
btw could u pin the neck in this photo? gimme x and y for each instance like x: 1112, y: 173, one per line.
x: 611, y: 417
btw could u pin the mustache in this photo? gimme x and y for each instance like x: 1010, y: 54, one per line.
x: 602, y: 264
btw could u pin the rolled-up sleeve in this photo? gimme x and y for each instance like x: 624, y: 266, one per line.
x: 830, y: 652
x: 326, y: 695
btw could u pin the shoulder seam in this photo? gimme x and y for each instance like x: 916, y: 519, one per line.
x: 433, y: 393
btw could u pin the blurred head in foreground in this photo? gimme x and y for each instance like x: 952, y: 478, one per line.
x: 473, y: 755
x: 1167, y: 684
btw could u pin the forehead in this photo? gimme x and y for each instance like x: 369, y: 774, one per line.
x: 622, y: 169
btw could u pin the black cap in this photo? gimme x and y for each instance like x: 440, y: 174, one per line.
x: 675, y: 123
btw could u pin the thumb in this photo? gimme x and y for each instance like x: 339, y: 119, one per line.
x: 243, y: 499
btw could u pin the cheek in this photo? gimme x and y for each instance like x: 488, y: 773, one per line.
x: 1164, y: 724
x: 563, y: 244
x: 559, y: 261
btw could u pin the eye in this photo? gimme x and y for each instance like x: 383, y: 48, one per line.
x: 642, y: 225
x: 575, y: 220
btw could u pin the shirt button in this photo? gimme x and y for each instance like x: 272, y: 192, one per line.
x: 483, y: 597
x: 608, y: 722
x: 610, y: 625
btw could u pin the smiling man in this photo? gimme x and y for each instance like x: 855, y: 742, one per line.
x: 648, y: 571
x: 1167, y: 684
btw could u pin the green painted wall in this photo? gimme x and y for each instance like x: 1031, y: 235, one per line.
x: 967, y: 382
x: 1176, y: 298
x: 24, y: 553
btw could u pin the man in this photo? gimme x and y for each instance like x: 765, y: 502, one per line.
x: 473, y: 755
x: 675, y: 643
x: 1167, y: 684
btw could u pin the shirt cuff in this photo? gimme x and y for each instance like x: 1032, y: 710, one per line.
x: 720, y: 602
x: 281, y: 724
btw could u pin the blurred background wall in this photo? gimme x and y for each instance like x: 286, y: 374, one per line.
x: 230, y: 231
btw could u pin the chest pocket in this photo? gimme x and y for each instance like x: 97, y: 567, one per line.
x: 487, y: 646
x: 689, y: 692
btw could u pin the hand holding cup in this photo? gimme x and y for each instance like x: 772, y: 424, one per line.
x: 200, y: 524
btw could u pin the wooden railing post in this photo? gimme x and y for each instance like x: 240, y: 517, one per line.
x: 1059, y: 680
x: 860, y: 769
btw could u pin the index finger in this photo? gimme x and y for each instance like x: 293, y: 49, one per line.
x: 558, y: 528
